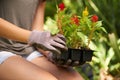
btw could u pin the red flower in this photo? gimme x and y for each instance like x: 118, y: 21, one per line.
x: 61, y: 6
x: 75, y: 20
x: 94, y: 18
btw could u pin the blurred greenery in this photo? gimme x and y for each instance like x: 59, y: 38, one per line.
x: 106, y: 59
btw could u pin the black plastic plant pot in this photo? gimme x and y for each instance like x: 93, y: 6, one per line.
x: 62, y: 58
x: 81, y: 55
x: 87, y: 55
x: 74, y: 55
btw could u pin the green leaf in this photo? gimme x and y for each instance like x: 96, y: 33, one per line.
x: 51, y: 26
x: 98, y: 24
x: 109, y: 56
x: 103, y: 29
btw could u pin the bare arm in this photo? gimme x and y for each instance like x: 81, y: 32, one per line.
x: 11, y: 31
x: 38, y: 21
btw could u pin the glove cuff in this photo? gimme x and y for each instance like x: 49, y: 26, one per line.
x: 33, y: 37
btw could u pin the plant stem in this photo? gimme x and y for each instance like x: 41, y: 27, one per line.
x: 59, y: 24
x: 91, y: 35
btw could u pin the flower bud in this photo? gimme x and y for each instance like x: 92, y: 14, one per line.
x: 61, y: 6
x: 94, y: 18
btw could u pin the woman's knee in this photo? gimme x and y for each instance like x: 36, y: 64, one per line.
x: 27, y: 72
x: 59, y: 72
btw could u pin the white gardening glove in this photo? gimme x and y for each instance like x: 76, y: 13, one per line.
x: 45, y: 41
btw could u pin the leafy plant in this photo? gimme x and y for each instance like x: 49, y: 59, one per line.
x: 78, y: 30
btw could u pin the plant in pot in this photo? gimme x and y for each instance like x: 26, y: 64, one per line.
x: 79, y: 31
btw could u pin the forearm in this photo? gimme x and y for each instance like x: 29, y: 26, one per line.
x: 11, y: 31
x: 38, y: 21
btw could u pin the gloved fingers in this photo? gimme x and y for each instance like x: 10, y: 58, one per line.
x: 75, y: 63
x: 48, y: 47
x: 58, y: 45
x: 61, y: 37
x: 59, y: 40
x: 62, y: 62
x: 49, y: 56
x: 69, y: 61
x: 52, y: 49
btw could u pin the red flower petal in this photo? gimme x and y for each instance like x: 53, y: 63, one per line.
x: 94, y: 18
x: 61, y: 6
x: 75, y: 20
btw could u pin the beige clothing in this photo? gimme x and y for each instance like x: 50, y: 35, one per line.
x: 20, y: 13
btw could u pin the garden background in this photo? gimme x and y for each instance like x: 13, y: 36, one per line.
x: 105, y: 64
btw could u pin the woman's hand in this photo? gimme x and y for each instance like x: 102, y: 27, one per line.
x: 45, y: 41
x: 45, y: 53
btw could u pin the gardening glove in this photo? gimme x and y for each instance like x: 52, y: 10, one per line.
x: 45, y: 41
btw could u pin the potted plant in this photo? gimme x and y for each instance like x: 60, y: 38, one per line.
x: 79, y: 31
